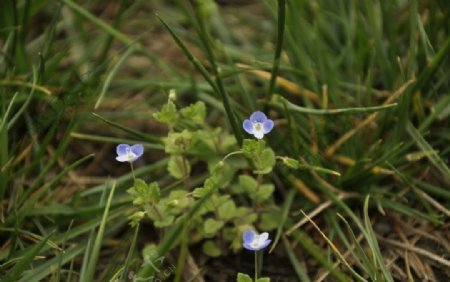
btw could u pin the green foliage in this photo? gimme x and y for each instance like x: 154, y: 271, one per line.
x: 168, y: 114
x: 195, y: 113
x: 178, y: 167
x: 357, y: 90
x: 211, y: 249
x: 143, y: 193
x: 241, y: 277
x: 263, y: 158
x: 211, y: 226
x: 291, y: 163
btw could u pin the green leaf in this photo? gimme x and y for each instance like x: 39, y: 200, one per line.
x: 263, y: 279
x: 178, y: 167
x: 264, y: 158
x: 178, y: 142
x: 203, y: 144
x: 248, y: 184
x: 143, y: 193
x: 291, y: 163
x: 210, y: 248
x: 241, y: 277
x: 164, y: 222
x: 195, y: 112
x: 265, y: 162
x: 227, y: 210
x: 200, y: 192
x: 177, y: 202
x: 253, y: 148
x: 167, y: 114
x: 136, y: 217
x: 154, y: 193
x: 211, y: 226
x: 209, y: 185
x: 264, y: 192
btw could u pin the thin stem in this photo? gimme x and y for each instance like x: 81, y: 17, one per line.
x: 256, y: 265
x: 132, y: 171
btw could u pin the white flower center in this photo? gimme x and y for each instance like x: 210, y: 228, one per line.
x: 257, y: 126
x: 255, y: 242
x: 129, y: 154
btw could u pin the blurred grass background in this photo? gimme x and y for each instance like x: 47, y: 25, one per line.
x: 79, y: 77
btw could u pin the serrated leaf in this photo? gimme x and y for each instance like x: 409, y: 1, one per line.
x: 178, y: 167
x: 167, y: 114
x: 210, y: 248
x: 154, y: 192
x: 252, y: 148
x: 143, y: 193
x: 140, y: 187
x: 195, y: 112
x: 241, y: 277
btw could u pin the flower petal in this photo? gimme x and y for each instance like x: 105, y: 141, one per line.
x: 258, y: 117
x: 265, y: 244
x: 123, y: 158
x: 137, y: 149
x: 248, y: 236
x: 248, y: 126
x: 249, y: 247
x: 263, y: 237
x: 267, y: 126
x: 122, y: 149
x: 258, y: 134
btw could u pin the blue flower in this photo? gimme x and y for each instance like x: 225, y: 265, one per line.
x: 258, y: 124
x: 127, y: 153
x: 255, y: 242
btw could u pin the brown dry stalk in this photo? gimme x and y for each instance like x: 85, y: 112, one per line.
x: 417, y: 250
x: 333, y: 247
x: 317, y: 211
x: 283, y: 83
x: 346, y: 254
x: 332, y: 149
x: 304, y: 189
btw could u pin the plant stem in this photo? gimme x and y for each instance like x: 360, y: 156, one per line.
x: 256, y: 265
x: 132, y: 171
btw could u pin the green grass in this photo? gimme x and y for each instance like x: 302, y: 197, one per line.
x: 359, y: 93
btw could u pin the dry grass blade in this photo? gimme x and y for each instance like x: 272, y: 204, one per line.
x: 283, y: 83
x: 417, y: 250
x: 317, y: 211
x: 334, y: 248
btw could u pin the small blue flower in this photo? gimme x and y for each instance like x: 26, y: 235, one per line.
x: 258, y: 124
x: 127, y: 153
x: 255, y: 242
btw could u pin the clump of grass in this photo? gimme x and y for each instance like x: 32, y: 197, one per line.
x: 355, y: 170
